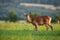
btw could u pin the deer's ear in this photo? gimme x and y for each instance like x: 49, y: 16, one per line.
x: 24, y: 13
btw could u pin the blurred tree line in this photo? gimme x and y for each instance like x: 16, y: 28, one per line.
x: 13, y: 17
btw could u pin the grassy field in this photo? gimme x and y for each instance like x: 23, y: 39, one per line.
x: 25, y: 31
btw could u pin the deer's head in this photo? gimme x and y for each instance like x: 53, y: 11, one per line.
x: 28, y: 16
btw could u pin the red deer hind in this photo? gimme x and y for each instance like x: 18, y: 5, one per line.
x: 40, y: 20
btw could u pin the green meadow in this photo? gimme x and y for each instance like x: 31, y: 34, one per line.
x: 26, y: 31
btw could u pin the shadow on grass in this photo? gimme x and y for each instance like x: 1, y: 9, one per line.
x: 29, y: 32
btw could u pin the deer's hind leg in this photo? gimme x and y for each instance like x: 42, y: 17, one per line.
x: 51, y: 27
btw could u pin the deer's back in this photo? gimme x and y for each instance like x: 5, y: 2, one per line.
x: 41, y: 19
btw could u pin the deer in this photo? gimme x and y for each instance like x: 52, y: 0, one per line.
x: 39, y: 20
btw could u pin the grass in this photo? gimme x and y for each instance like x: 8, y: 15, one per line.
x: 25, y: 31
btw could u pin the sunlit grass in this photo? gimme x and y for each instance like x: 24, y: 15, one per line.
x: 24, y: 26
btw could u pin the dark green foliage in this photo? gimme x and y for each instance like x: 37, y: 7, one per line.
x: 56, y: 18
x: 12, y: 16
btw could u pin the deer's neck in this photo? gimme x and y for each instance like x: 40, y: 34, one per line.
x: 29, y: 18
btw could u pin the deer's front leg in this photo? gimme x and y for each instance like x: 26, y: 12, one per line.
x: 35, y: 24
x: 47, y: 27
